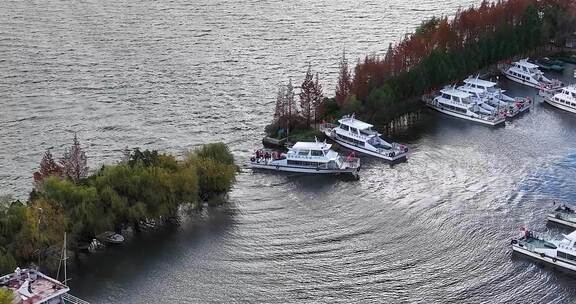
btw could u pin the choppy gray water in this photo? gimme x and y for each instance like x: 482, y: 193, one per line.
x: 171, y: 75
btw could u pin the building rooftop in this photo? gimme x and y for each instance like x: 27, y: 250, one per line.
x: 31, y: 286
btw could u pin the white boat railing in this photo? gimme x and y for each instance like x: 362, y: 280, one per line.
x: 68, y: 298
x: 327, y: 127
x: 351, y: 162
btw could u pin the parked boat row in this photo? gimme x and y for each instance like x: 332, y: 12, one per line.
x: 477, y: 100
x: 482, y: 101
x: 319, y: 158
x: 560, y: 253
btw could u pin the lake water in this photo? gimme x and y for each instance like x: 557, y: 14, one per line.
x: 171, y: 75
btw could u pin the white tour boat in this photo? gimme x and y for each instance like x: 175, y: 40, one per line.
x: 565, y: 99
x: 559, y: 253
x: 306, y: 157
x: 494, y: 96
x: 359, y: 136
x: 29, y: 286
x: 563, y: 215
x: 527, y: 73
x: 463, y: 105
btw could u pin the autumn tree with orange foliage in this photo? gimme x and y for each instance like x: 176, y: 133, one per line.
x: 444, y: 50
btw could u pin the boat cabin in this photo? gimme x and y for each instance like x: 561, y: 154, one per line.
x: 527, y: 67
x: 525, y: 70
x: 475, y: 82
x: 476, y: 93
x: 310, y: 154
x: 567, y: 96
x: 567, y: 247
x: 356, y: 127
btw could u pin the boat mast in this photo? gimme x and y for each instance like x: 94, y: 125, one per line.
x: 65, y: 258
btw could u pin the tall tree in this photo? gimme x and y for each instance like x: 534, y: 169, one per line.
x: 74, y: 161
x: 307, y: 95
x: 317, y: 97
x: 48, y: 167
x: 344, y: 81
x: 290, y: 104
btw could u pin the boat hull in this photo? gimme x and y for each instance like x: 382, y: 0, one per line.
x: 552, y: 218
x: 530, y: 84
x: 366, y: 151
x: 263, y: 166
x: 546, y: 259
x: 559, y: 105
x: 466, y: 117
x: 521, y: 81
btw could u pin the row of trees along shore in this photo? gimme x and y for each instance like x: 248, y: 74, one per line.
x: 143, y: 186
x: 386, y: 90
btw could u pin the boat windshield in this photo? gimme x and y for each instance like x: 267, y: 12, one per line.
x: 317, y: 153
x: 368, y: 131
x: 303, y: 152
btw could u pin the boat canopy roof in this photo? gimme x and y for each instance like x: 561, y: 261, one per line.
x: 354, y: 123
x: 571, y: 236
x: 311, y: 146
x: 454, y: 92
x: 471, y: 90
x: 525, y: 63
x: 571, y: 88
x: 480, y: 82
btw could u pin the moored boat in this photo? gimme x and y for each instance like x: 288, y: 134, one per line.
x: 564, y: 99
x: 461, y: 104
x: 359, y: 136
x: 563, y: 215
x: 559, y: 253
x: 110, y: 237
x: 306, y: 157
x: 489, y: 90
x: 527, y: 73
x: 549, y: 64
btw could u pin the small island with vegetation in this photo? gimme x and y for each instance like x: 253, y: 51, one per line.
x: 386, y: 90
x: 145, y: 186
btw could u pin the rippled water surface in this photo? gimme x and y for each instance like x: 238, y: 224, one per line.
x: 171, y: 75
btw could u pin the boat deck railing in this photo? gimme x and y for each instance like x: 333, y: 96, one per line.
x: 352, y: 162
x: 70, y: 299
x: 327, y: 127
